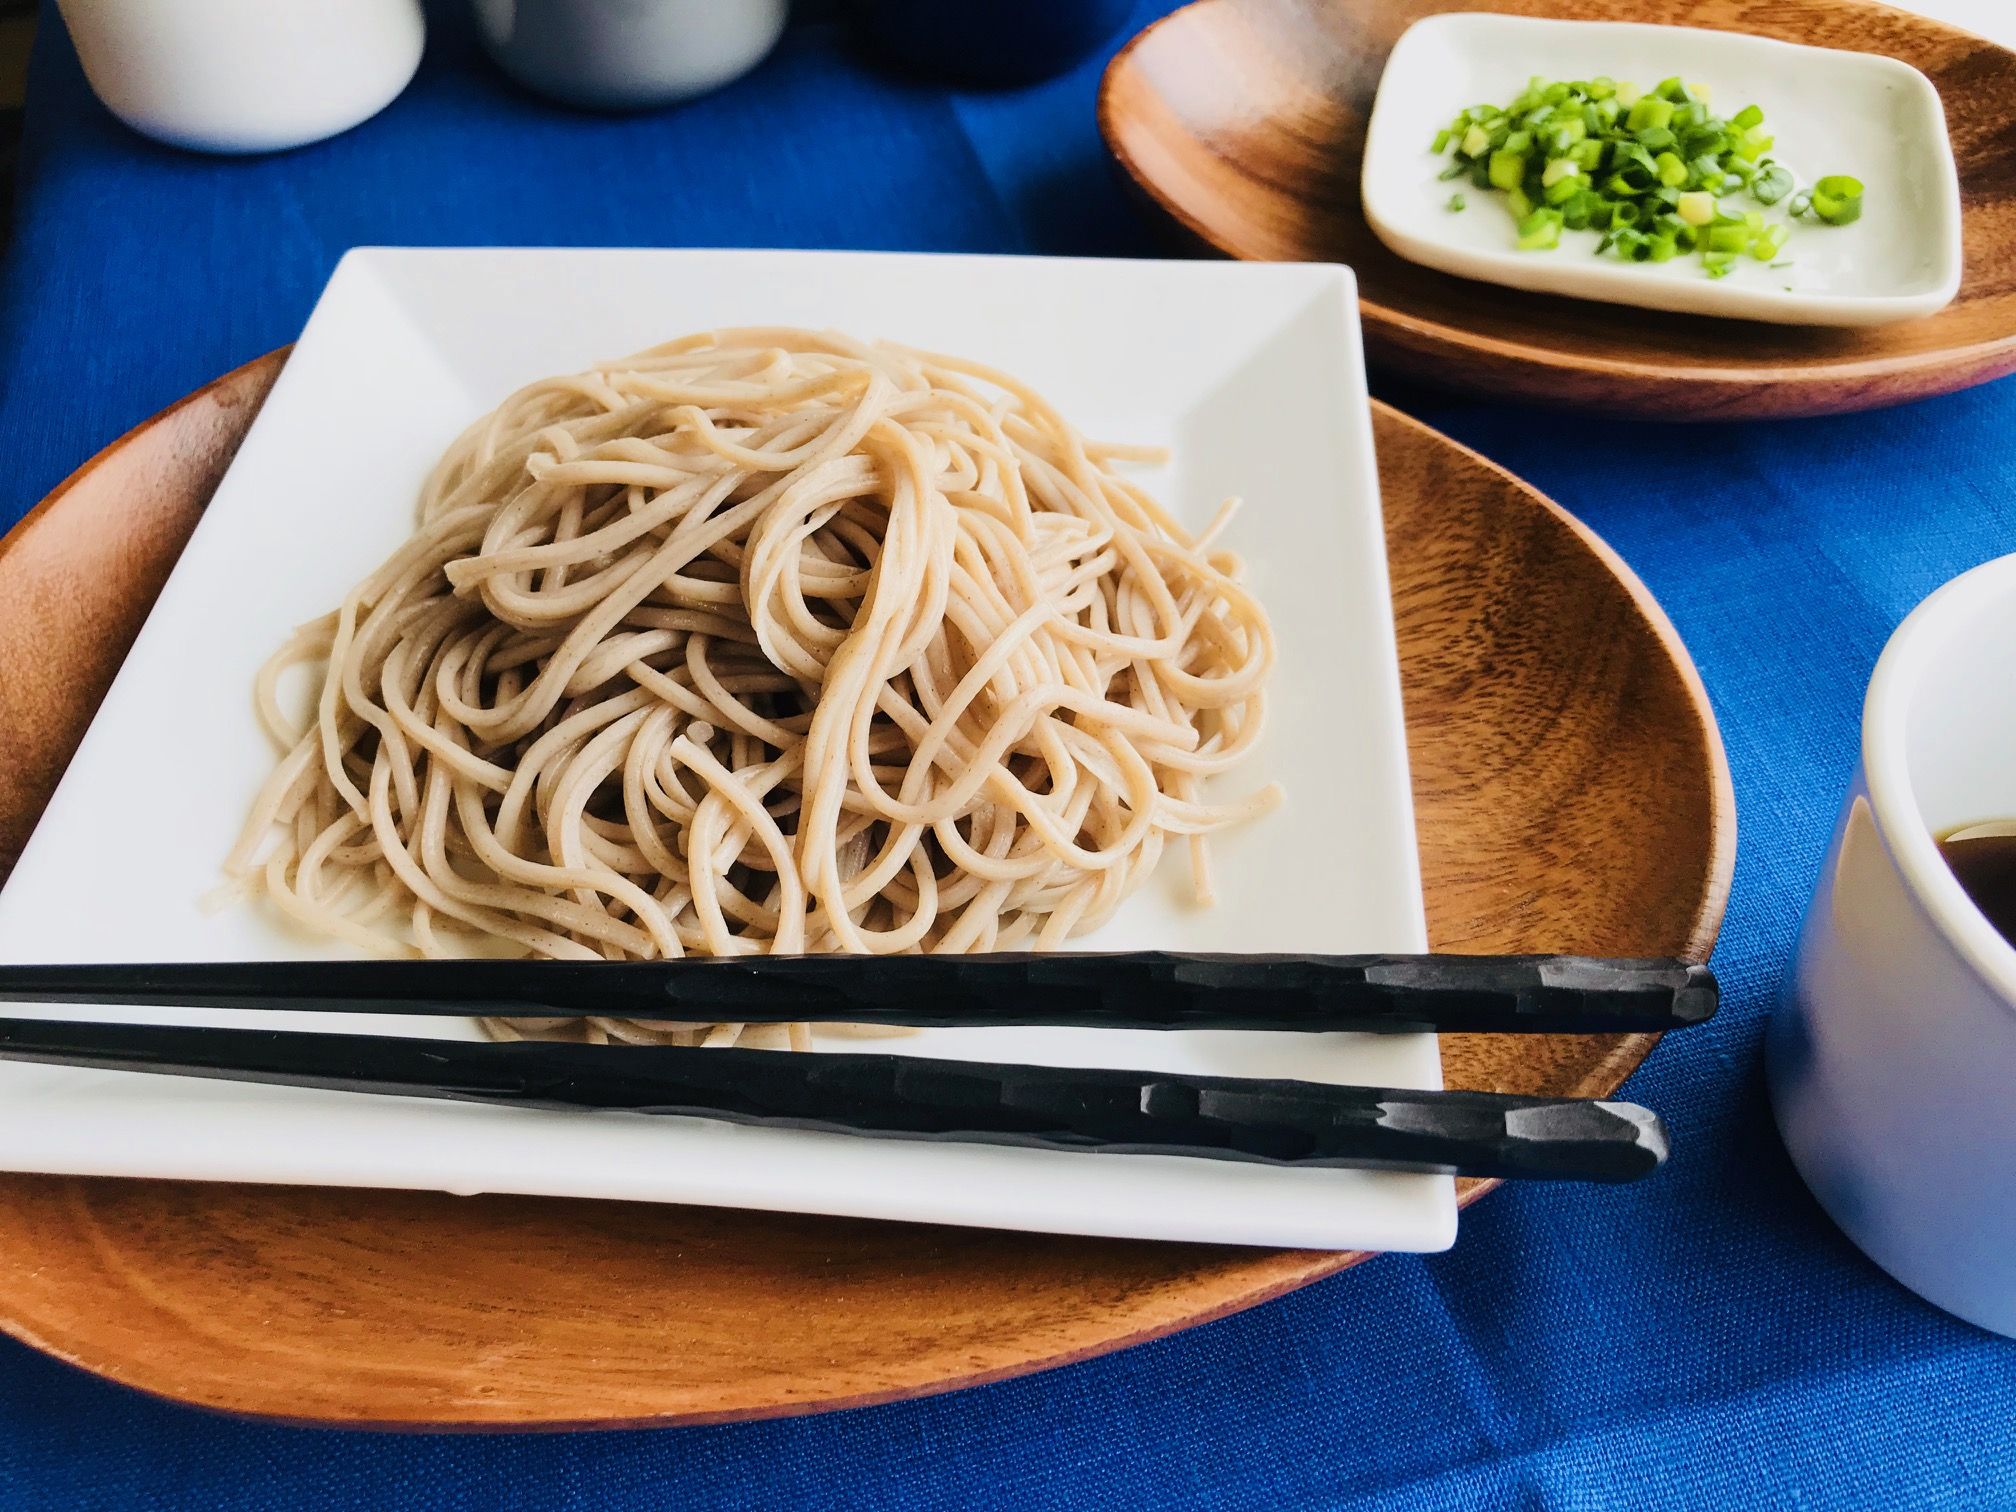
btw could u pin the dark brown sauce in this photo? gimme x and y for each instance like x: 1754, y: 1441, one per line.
x: 1986, y: 867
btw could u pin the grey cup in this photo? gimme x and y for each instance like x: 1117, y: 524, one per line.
x: 628, y: 54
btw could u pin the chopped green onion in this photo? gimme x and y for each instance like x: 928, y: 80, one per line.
x: 1540, y: 231
x: 1645, y: 169
x: 1769, y: 242
x: 1647, y: 113
x: 1837, y: 199
x: 1772, y: 184
x: 1632, y: 158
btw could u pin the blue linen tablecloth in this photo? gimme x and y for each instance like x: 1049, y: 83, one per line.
x: 1703, y: 1339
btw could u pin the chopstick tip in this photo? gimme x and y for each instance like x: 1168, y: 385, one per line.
x: 1649, y: 1133
x: 1696, y: 1001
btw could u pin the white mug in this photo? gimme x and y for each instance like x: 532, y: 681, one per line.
x: 245, y: 75
x: 1892, y: 1057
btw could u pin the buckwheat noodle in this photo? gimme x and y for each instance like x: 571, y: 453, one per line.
x: 761, y: 640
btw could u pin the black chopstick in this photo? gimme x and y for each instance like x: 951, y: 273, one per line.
x: 1120, y: 990
x: 911, y: 1097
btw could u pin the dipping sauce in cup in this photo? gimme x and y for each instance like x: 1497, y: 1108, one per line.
x: 1893, y: 1051
x: 1983, y: 858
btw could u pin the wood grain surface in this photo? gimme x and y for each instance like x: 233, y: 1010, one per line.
x: 1245, y: 120
x: 1572, y: 795
x: 84, y: 567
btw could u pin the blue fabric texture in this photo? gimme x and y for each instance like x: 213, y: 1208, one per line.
x: 1706, y: 1338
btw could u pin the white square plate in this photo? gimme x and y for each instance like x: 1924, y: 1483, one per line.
x: 1832, y: 112
x: 1251, y: 373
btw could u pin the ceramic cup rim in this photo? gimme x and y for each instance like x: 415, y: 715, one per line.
x: 1928, y: 632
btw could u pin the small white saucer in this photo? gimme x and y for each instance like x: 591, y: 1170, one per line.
x: 1832, y: 112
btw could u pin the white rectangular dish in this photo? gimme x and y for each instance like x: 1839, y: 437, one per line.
x: 1832, y: 112
x: 1251, y: 373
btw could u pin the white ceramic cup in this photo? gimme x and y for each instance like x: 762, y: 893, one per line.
x: 1892, y: 1057
x: 245, y: 75
x: 629, y: 54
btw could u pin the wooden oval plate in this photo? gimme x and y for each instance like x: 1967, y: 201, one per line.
x: 1572, y: 795
x: 1245, y: 119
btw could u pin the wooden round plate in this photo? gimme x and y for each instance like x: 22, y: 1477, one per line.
x: 1572, y: 796
x: 1245, y: 119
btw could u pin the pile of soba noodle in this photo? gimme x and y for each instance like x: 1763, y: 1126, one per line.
x: 762, y: 640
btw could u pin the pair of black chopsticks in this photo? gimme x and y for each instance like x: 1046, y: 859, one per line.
x: 913, y: 1097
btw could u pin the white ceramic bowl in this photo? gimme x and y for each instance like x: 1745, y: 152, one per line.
x: 245, y: 75
x: 1893, y: 1055
x: 1832, y: 112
